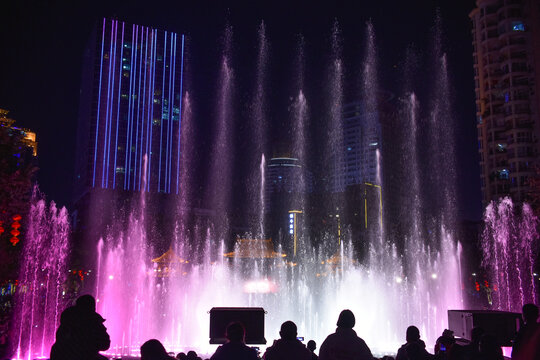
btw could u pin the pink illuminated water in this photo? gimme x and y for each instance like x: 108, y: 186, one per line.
x: 39, y: 298
x: 509, y: 244
x: 414, y: 279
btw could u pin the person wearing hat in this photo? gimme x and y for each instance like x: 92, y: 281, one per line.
x: 344, y: 343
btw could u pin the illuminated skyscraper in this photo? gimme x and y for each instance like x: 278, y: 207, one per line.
x: 130, y: 110
x: 506, y: 53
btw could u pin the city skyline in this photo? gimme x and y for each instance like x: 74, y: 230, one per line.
x: 279, y: 44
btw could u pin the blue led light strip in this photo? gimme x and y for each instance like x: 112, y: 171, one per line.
x: 149, y: 107
x: 170, y: 113
x: 118, y: 105
x: 99, y: 103
x: 143, y: 111
x: 161, y: 120
x: 171, y: 117
x: 180, y: 117
x: 152, y: 110
x: 135, y: 158
x: 110, y: 112
x: 107, y: 107
x: 133, y: 104
x: 126, y: 173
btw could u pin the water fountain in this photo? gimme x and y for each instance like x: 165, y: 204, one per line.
x: 397, y: 284
x: 39, y: 298
x: 410, y: 278
x: 509, y: 244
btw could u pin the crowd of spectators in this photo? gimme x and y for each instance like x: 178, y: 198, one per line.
x: 82, y: 335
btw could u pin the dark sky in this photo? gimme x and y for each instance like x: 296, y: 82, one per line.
x: 42, y: 44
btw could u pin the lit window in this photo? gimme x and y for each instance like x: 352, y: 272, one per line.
x: 518, y: 26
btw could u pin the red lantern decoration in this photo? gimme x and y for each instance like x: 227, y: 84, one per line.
x: 477, y: 286
x: 16, y: 217
x: 14, y: 240
x: 15, y: 232
x: 16, y: 225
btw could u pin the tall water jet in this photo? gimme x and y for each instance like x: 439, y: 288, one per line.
x: 333, y: 158
x: 258, y: 128
x: 509, y: 246
x: 39, y: 299
x: 220, y: 187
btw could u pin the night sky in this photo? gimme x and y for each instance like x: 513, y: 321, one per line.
x: 42, y: 43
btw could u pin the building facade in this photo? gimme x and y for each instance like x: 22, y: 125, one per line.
x: 361, y: 141
x: 506, y: 53
x: 130, y: 110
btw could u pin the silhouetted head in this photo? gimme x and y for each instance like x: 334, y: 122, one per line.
x: 311, y: 345
x: 236, y: 332
x: 476, y: 334
x: 530, y: 313
x: 413, y: 334
x: 153, y: 350
x: 191, y: 355
x: 86, y: 303
x: 181, y: 356
x: 346, y: 319
x: 288, y: 330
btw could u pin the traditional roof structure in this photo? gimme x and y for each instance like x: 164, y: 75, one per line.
x: 254, y: 249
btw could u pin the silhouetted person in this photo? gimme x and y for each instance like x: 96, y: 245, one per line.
x: 81, y: 334
x: 312, y: 345
x: 471, y: 351
x: 191, y: 355
x: 489, y: 348
x: 154, y: 350
x: 414, y: 348
x: 181, y: 356
x: 288, y: 347
x: 344, y: 343
x: 527, y: 330
x: 235, y: 348
x: 444, y: 345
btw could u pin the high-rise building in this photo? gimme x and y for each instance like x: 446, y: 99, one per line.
x: 361, y: 140
x: 130, y: 110
x: 506, y: 52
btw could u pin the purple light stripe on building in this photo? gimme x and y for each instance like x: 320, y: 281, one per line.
x: 149, y: 107
x: 180, y: 119
x: 118, y: 106
x: 172, y: 113
x: 143, y: 112
x: 169, y: 115
x: 152, y: 109
x: 133, y: 106
x: 99, y: 104
x: 112, y: 103
x: 107, y: 107
x: 161, y: 119
x: 126, y: 176
x: 136, y: 174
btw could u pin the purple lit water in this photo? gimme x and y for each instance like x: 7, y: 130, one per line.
x: 39, y: 297
x: 395, y: 286
x: 509, y: 246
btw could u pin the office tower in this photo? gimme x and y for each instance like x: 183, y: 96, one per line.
x: 130, y: 110
x: 361, y: 140
x: 506, y: 52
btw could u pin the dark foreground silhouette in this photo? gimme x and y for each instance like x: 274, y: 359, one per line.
x: 81, y: 334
